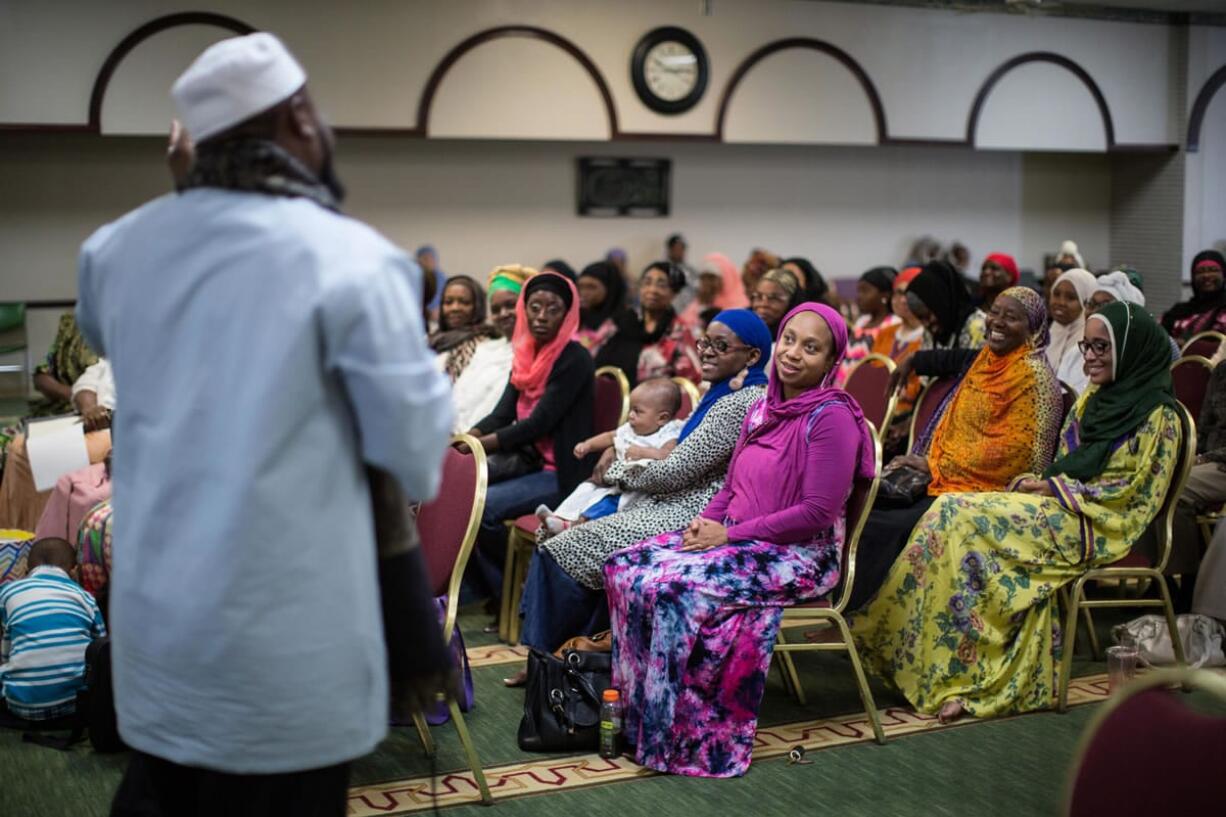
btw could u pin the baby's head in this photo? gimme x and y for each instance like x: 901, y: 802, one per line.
x: 652, y: 404
x: 53, y: 552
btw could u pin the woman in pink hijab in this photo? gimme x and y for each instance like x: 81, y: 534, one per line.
x: 719, y: 287
x: 695, y: 613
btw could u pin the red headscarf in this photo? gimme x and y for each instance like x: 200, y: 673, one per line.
x: 1007, y: 264
x: 907, y: 275
x: 532, y: 364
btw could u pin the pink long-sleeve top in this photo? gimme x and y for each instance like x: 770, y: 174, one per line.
x: 788, y: 486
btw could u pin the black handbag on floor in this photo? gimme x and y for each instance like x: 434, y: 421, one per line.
x: 562, y: 701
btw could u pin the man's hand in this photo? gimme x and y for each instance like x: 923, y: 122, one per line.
x: 419, y: 694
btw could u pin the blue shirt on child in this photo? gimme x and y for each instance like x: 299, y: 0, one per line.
x: 48, y: 620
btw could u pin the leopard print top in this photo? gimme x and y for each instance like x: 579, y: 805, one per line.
x: 679, y: 487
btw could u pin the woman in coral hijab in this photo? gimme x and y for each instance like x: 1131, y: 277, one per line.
x: 544, y: 413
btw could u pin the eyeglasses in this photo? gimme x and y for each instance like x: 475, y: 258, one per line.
x: 721, y: 346
x: 758, y: 298
x: 1098, y: 347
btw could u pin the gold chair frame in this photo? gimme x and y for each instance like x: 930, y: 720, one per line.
x: 890, y: 405
x: 1184, y: 678
x: 833, y: 616
x: 520, y: 545
x: 688, y: 387
x: 1218, y: 336
x: 453, y: 604
x: 623, y: 383
x: 919, y: 400
x: 1074, y: 597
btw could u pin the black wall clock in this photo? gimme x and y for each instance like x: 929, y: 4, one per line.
x: 669, y: 69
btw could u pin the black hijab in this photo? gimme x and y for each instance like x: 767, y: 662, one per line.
x: 815, y: 287
x: 943, y: 290
x: 449, y: 337
x: 560, y: 267
x: 615, y: 299
x: 625, y: 347
x: 1201, y: 302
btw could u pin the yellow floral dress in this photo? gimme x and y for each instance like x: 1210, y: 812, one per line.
x: 970, y: 612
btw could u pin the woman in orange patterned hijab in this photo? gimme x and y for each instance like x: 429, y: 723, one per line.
x: 1003, y: 419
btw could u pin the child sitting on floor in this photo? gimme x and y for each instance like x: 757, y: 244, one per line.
x: 650, y: 433
x: 47, y: 620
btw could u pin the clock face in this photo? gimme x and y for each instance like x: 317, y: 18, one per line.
x: 671, y: 70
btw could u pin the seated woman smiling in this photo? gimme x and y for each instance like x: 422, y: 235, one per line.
x: 967, y: 622
x: 695, y: 612
x: 1000, y: 422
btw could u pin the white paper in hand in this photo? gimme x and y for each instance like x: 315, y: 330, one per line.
x: 56, y: 446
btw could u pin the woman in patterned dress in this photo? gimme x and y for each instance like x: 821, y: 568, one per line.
x: 1000, y: 422
x: 564, y: 594
x: 695, y: 612
x: 967, y: 622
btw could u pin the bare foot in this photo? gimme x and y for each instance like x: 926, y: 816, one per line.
x: 951, y: 711
x: 518, y: 679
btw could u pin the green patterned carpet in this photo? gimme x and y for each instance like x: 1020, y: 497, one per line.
x: 1015, y: 766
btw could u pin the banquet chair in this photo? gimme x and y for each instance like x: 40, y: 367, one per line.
x: 448, y: 530
x: 690, y: 397
x: 927, y: 405
x: 1190, y: 379
x: 1147, y: 752
x: 828, y: 612
x: 612, y: 408
x: 1134, y: 565
x: 868, y: 382
x: 1204, y: 344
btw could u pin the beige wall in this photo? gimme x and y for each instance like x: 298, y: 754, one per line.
x: 484, y: 203
x: 368, y: 66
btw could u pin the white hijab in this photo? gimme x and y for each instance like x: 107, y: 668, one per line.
x: 1065, y: 337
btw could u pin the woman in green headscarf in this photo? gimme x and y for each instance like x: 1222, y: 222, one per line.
x: 477, y: 389
x: 967, y: 621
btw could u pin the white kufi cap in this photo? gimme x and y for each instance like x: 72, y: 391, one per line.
x: 234, y: 80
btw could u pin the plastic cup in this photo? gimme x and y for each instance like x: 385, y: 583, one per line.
x: 1121, y: 666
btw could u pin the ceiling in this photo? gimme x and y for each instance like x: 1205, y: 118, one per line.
x: 1149, y: 5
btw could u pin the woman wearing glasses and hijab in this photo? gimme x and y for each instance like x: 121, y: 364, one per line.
x: 968, y: 620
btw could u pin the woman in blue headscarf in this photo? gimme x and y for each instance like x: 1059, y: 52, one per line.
x: 564, y: 594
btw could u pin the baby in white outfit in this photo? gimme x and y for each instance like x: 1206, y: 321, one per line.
x: 649, y: 433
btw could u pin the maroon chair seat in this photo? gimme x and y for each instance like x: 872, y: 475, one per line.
x: 1204, y: 345
x: 1150, y: 755
x: 930, y: 400
x: 1190, y: 378
x: 443, y: 523
x: 868, y: 382
x: 612, y: 400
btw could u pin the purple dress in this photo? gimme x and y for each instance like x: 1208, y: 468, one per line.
x: 693, y: 632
